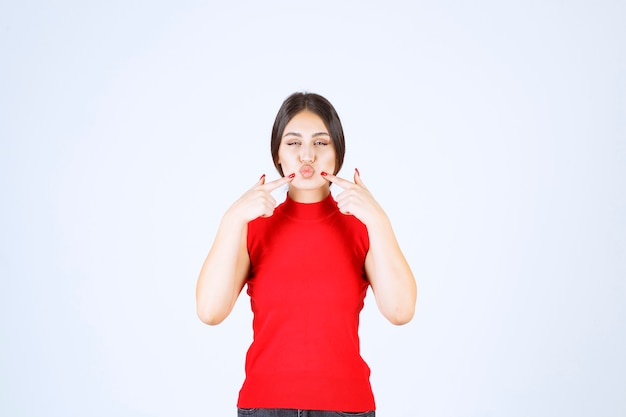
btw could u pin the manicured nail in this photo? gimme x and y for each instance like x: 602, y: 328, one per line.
x: 262, y: 176
x: 357, y: 172
x: 292, y: 175
x: 323, y: 173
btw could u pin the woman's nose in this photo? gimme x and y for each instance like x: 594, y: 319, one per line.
x: 307, y: 155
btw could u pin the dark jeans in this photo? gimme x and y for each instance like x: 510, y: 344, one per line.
x: 285, y: 412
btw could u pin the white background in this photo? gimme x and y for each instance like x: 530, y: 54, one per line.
x: 492, y: 132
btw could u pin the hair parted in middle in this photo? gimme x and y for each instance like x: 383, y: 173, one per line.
x: 319, y: 105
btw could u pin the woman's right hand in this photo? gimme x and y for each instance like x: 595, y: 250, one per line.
x: 225, y: 269
x: 258, y: 200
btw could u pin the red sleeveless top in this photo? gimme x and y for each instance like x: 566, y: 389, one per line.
x: 307, y: 285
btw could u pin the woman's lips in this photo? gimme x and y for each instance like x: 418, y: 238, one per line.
x: 307, y: 171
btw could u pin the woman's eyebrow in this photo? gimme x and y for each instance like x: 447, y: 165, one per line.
x: 299, y: 135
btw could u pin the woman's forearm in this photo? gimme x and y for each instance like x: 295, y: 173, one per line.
x: 223, y: 273
x: 389, y: 273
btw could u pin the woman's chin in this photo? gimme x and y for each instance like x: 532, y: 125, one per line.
x: 308, y: 190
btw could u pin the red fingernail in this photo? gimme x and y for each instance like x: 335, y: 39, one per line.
x: 323, y: 173
x: 357, y: 172
x: 262, y: 176
x: 292, y: 175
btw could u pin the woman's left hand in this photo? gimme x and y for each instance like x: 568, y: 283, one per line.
x: 385, y: 266
x: 355, y: 199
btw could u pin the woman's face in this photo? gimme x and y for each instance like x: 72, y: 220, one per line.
x: 307, y: 150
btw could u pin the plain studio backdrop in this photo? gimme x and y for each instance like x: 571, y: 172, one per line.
x: 492, y: 132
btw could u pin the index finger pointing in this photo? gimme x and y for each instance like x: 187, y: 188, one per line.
x: 272, y: 185
x: 343, y: 183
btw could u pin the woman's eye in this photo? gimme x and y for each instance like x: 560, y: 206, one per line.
x: 322, y: 143
x: 293, y: 143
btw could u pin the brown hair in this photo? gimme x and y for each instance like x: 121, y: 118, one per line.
x: 317, y: 104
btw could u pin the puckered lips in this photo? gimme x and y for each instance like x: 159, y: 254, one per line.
x: 307, y: 171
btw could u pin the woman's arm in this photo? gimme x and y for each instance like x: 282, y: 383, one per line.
x: 224, y: 271
x: 388, y: 271
x: 225, y: 268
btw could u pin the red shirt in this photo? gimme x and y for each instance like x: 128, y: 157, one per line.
x: 307, y: 285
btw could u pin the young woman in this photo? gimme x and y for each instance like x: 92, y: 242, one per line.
x: 307, y: 264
